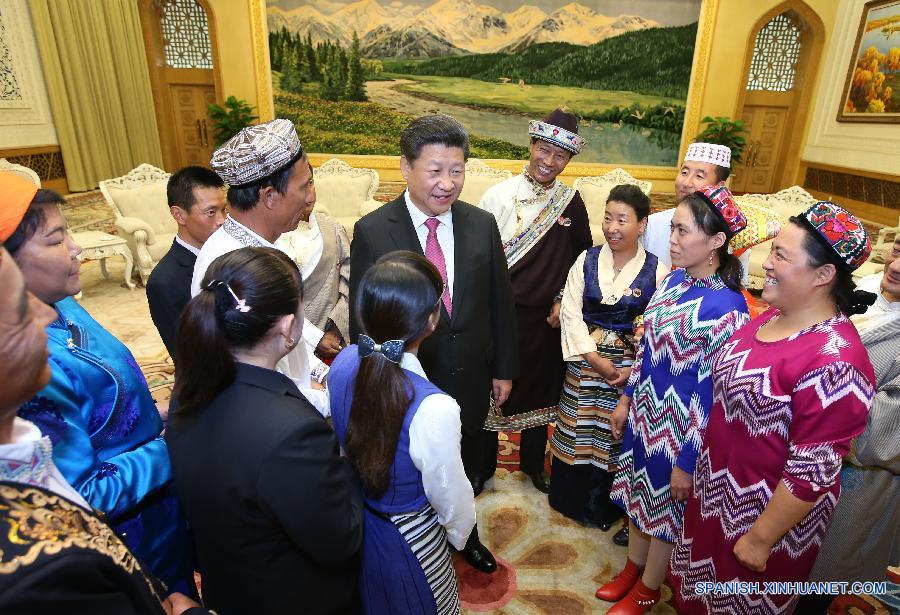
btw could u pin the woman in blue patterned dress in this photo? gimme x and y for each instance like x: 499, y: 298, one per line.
x: 402, y: 435
x: 668, y: 397
x: 97, y: 409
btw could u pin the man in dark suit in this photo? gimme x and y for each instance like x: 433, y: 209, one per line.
x: 472, y: 354
x: 197, y: 202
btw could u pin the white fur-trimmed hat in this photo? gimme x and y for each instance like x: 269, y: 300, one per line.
x: 719, y: 155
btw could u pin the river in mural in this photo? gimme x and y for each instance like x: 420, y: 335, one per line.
x: 607, y: 142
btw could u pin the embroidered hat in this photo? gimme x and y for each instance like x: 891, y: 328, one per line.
x: 559, y: 128
x: 257, y: 152
x: 16, y: 194
x: 719, y: 155
x: 839, y: 231
x: 721, y: 201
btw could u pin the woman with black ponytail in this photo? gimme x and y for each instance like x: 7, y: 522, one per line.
x: 792, y: 389
x: 402, y: 434
x: 667, y: 400
x: 276, y: 519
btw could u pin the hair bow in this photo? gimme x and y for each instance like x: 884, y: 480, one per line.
x: 391, y: 349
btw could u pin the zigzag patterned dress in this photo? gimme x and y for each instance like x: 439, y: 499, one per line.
x: 783, y: 411
x: 671, y: 392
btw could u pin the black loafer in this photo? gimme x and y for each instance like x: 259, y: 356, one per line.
x: 540, y: 481
x: 621, y: 537
x: 479, y: 557
x: 477, y: 485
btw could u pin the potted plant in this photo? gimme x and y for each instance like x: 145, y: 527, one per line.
x: 228, y: 119
x: 724, y: 131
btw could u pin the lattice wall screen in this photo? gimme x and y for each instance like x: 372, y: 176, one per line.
x: 186, y: 34
x: 775, y: 55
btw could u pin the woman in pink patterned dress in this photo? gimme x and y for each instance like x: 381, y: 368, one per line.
x: 790, y: 391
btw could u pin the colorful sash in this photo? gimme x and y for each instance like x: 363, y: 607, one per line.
x: 558, y: 197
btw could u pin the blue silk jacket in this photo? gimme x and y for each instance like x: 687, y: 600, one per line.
x: 105, y: 430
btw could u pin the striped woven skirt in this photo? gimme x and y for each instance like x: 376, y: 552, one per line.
x: 584, y: 452
x: 406, y: 565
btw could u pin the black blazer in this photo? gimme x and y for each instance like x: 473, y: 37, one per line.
x: 276, y: 517
x: 479, y: 342
x: 64, y: 559
x: 169, y: 290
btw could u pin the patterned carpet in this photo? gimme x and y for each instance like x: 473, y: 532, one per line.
x: 549, y: 565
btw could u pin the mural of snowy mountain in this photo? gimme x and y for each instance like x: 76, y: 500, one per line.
x: 450, y: 27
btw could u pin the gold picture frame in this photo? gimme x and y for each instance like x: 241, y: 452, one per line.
x: 871, y: 91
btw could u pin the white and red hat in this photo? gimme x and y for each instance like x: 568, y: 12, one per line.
x: 719, y: 155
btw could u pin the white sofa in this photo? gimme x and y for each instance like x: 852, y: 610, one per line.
x: 595, y: 190
x: 141, y: 208
x: 344, y: 192
x: 789, y: 202
x: 479, y: 178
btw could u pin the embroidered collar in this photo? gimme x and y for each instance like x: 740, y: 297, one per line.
x: 713, y: 282
x: 540, y: 190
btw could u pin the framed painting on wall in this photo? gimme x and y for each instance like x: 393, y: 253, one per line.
x: 351, y: 74
x: 872, y: 90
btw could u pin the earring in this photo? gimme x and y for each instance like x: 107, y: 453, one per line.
x: 291, y: 342
x: 711, y: 258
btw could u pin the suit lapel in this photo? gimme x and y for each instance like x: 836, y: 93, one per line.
x: 460, y: 253
x: 401, y: 228
x: 184, y: 257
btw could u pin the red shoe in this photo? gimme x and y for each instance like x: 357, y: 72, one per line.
x: 616, y: 589
x: 638, y: 601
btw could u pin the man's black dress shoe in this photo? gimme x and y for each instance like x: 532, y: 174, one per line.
x: 479, y: 557
x: 540, y: 481
x: 621, y: 537
x: 477, y: 485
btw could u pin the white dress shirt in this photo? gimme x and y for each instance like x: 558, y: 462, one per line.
x: 300, y: 365
x: 187, y: 246
x: 880, y: 312
x: 28, y: 459
x: 434, y: 437
x: 444, y: 235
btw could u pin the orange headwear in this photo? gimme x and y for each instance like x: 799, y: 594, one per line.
x: 16, y: 193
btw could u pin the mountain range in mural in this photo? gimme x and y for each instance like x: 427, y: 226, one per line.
x: 451, y: 27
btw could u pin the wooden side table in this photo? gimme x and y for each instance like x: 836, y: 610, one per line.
x: 96, y: 245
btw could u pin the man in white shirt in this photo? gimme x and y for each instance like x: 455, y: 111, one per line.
x: 705, y: 164
x: 270, y: 184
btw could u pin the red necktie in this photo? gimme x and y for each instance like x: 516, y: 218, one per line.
x: 434, y: 254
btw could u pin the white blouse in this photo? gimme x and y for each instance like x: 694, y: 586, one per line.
x: 576, y: 337
x: 434, y: 447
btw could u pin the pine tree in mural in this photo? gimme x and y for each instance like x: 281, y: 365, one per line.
x: 315, y: 74
x: 332, y: 82
x: 292, y: 76
x: 356, y: 89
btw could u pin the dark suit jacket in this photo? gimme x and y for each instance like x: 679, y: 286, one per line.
x: 276, y: 517
x: 169, y: 290
x: 479, y: 342
x: 61, y: 558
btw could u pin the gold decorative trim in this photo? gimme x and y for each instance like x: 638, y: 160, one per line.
x: 706, y: 26
x: 264, y: 104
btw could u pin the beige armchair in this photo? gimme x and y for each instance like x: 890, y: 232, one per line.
x: 345, y: 193
x: 18, y: 169
x: 480, y: 177
x: 595, y: 190
x: 141, y: 209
